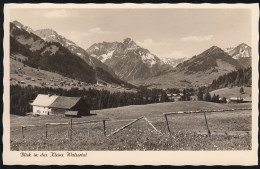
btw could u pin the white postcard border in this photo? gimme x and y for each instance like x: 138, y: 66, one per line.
x: 135, y: 157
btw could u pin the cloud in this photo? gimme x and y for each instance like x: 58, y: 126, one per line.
x: 60, y: 13
x: 197, y: 38
x: 176, y: 54
x: 150, y: 43
x: 96, y: 31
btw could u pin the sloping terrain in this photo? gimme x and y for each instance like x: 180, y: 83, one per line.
x: 234, y: 92
x: 128, y: 60
x: 50, y: 35
x: 19, y: 72
x: 200, y: 70
x: 50, y: 56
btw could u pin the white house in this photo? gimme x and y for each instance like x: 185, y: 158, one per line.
x: 52, y: 104
x: 41, y: 104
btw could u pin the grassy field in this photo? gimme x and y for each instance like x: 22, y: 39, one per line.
x: 185, y: 129
x: 233, y: 92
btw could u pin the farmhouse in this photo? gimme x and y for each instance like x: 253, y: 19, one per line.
x: 52, y: 104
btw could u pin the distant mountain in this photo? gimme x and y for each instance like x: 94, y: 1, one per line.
x: 242, y: 52
x: 198, y: 71
x: 212, y: 60
x: 54, y: 57
x: 50, y: 35
x: 128, y: 60
x: 172, y: 61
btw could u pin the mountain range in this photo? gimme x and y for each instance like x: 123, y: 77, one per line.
x: 50, y: 52
x: 200, y: 70
x: 117, y: 62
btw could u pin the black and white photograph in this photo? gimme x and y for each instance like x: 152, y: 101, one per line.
x: 130, y: 79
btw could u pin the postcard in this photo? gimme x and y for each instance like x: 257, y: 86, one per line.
x: 130, y: 84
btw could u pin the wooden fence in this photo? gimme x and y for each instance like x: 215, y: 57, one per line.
x: 70, y: 123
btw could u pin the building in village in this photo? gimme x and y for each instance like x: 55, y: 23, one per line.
x: 52, y: 104
x: 236, y: 100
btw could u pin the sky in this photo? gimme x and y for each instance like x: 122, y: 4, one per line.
x: 172, y: 33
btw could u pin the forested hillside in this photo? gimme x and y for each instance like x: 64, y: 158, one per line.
x: 241, y: 77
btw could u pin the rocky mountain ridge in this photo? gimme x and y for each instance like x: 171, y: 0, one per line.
x: 128, y: 60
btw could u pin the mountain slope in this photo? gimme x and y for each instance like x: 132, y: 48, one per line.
x: 212, y: 60
x: 128, y: 60
x: 198, y: 71
x: 242, y: 52
x: 50, y: 35
x: 50, y: 56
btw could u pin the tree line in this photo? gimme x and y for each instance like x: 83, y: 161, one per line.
x: 21, y: 96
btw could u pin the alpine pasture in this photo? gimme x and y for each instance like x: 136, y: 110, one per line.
x: 230, y: 130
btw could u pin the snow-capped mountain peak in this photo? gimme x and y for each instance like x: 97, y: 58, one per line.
x: 172, y: 61
x: 52, y: 36
x: 240, y: 51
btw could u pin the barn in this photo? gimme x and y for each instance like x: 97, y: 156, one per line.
x: 52, y: 104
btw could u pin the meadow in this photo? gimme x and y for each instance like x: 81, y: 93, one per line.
x: 230, y: 130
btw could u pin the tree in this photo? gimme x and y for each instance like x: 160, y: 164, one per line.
x: 207, y: 97
x: 200, y: 94
x: 242, y: 90
x: 214, y: 98
x: 184, y: 94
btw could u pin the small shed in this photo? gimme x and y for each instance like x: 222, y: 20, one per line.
x: 72, y: 114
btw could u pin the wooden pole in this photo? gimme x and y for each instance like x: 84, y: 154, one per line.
x: 22, y: 132
x: 125, y: 126
x: 165, y: 115
x: 70, y: 129
x: 152, y: 126
x: 46, y: 130
x: 89, y: 123
x: 206, y: 123
x: 104, y: 127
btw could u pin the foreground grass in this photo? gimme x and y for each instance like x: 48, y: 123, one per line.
x: 140, y: 136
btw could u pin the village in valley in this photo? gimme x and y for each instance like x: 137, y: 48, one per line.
x: 118, y: 95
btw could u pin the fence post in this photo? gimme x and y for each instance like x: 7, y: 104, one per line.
x: 165, y: 115
x: 89, y: 123
x: 70, y: 129
x: 22, y: 131
x: 104, y: 127
x: 46, y: 131
x: 206, y: 123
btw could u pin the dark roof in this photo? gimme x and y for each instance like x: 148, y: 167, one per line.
x: 71, y: 113
x: 65, y: 102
